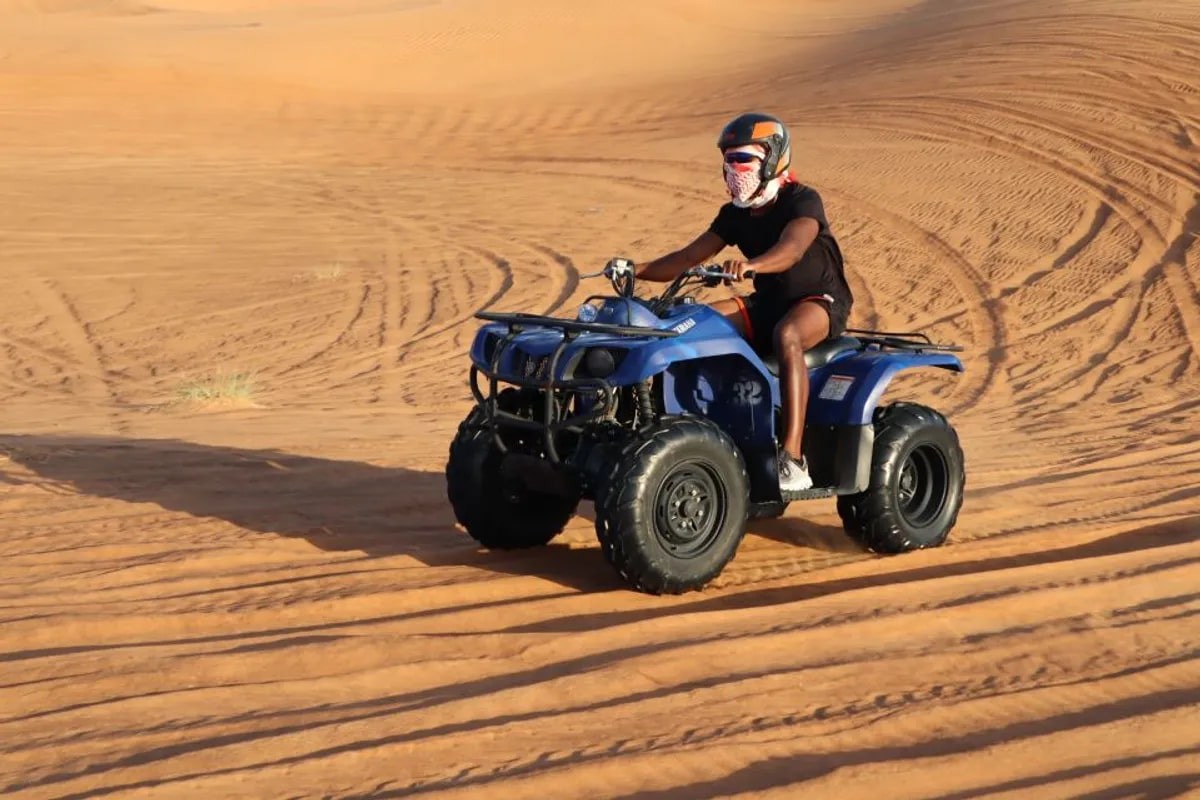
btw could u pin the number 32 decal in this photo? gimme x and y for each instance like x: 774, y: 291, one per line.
x: 747, y: 392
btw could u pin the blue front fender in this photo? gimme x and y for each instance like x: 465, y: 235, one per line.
x: 663, y: 356
x: 847, y: 391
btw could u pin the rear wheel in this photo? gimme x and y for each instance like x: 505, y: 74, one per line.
x: 673, y: 511
x: 495, y: 506
x: 917, y: 480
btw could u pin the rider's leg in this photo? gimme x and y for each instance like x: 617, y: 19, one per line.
x: 805, y: 325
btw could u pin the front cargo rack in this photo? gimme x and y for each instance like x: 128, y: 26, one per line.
x: 551, y: 424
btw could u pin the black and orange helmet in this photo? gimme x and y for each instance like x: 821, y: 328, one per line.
x: 765, y: 130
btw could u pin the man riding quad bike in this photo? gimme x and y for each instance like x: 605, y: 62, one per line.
x: 667, y: 413
x: 801, y: 296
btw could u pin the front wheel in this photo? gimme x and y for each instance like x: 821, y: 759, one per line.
x: 917, y: 479
x: 498, y: 511
x: 674, y: 510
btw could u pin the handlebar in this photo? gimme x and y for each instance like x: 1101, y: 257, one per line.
x: 714, y: 271
x: 622, y: 274
x: 703, y: 271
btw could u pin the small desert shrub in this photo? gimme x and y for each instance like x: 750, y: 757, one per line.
x: 235, y: 387
x: 329, y: 272
x: 325, y: 272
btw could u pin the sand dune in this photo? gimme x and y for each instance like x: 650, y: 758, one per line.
x: 267, y: 597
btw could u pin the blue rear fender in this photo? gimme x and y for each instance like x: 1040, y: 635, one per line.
x: 847, y: 390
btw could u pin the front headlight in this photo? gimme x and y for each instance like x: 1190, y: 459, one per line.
x: 600, y: 362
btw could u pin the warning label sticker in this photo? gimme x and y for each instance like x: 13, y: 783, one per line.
x: 836, y: 387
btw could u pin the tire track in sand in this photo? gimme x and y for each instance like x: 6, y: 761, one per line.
x: 416, y: 314
x: 1002, y: 142
x: 704, y: 750
x: 1179, y: 279
x: 1028, y: 676
x: 88, y: 358
x: 1018, y: 689
x: 1125, y: 292
x: 448, y: 324
x: 987, y: 318
x: 352, y: 314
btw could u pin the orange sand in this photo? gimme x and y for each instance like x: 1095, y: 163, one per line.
x: 268, y: 597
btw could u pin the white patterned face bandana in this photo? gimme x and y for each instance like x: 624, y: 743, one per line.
x: 741, y: 177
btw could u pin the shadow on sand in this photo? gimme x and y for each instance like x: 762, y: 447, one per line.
x: 388, y: 511
x: 335, y: 505
x: 341, y: 505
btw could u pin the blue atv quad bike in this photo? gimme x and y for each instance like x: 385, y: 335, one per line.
x: 664, y: 416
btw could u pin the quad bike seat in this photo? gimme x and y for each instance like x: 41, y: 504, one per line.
x: 818, y: 356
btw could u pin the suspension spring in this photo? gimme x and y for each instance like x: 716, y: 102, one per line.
x: 645, y: 405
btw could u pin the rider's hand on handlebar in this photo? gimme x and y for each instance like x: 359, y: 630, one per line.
x: 618, y: 267
x: 738, y: 268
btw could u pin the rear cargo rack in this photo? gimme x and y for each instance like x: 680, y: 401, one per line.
x: 904, y: 340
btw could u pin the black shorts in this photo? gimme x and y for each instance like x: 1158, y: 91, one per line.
x: 761, y: 313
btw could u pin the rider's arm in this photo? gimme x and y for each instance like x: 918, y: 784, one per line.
x: 791, y: 247
x: 666, y: 268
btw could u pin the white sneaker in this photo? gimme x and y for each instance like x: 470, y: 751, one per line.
x: 793, y: 474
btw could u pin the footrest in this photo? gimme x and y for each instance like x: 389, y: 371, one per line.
x: 807, y: 494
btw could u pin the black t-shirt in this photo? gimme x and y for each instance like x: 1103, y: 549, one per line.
x: 819, y: 271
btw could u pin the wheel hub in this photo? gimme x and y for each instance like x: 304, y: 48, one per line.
x: 689, y: 510
x: 908, y: 482
x: 922, y: 485
x: 688, y: 503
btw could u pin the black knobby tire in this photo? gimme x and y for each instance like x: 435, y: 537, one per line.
x: 674, y: 510
x: 493, y: 510
x: 917, y: 480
